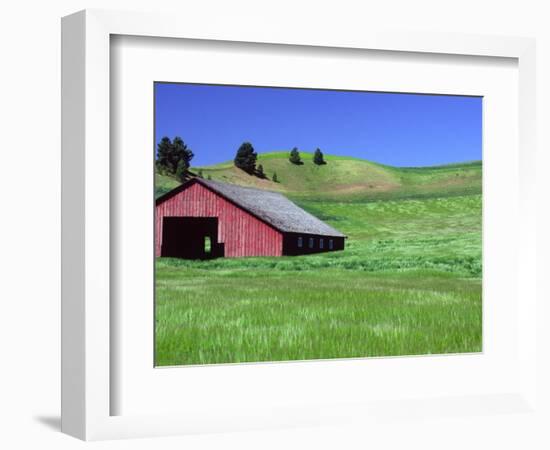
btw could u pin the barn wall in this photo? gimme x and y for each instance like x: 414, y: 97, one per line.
x: 242, y: 233
x: 290, y: 244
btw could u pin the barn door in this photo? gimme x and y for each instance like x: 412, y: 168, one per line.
x: 190, y: 237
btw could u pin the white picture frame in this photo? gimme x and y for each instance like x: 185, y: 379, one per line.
x: 86, y: 248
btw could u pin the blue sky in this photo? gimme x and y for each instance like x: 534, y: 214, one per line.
x: 394, y: 129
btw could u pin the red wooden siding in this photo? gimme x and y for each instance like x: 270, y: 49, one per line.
x: 242, y: 233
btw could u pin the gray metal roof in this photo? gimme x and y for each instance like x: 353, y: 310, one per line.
x: 273, y: 208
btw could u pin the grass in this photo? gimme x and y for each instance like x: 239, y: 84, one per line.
x: 164, y: 183
x: 438, y: 233
x: 233, y: 316
x: 346, y: 178
x: 408, y: 282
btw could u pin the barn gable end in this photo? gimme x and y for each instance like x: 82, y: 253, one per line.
x: 241, y: 233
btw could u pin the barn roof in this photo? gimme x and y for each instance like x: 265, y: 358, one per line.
x: 271, y: 207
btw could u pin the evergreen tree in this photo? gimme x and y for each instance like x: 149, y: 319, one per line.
x: 181, y: 171
x: 318, y: 157
x: 182, y: 154
x: 260, y: 171
x: 274, y: 178
x: 164, y: 156
x: 295, y: 157
x: 199, y: 173
x: 245, y: 158
x: 173, y: 156
x: 209, y: 177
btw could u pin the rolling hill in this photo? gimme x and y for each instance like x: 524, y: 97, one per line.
x: 408, y: 281
x: 344, y: 178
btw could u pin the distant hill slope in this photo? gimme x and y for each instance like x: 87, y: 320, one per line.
x: 345, y: 178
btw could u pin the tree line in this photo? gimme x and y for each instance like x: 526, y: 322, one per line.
x: 174, y: 158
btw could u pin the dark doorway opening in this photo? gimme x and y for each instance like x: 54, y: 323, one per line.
x: 191, y: 238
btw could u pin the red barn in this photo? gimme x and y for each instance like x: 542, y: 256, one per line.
x: 206, y: 219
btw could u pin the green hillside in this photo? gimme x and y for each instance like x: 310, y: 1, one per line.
x: 408, y: 282
x: 346, y: 178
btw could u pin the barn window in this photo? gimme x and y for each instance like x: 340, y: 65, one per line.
x: 330, y: 244
x: 310, y: 242
x: 300, y: 241
x: 321, y: 243
x: 207, y: 244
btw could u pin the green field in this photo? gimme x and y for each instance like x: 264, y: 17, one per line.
x: 408, y: 282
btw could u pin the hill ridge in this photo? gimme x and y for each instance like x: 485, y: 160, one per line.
x: 283, y: 154
x: 344, y: 178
